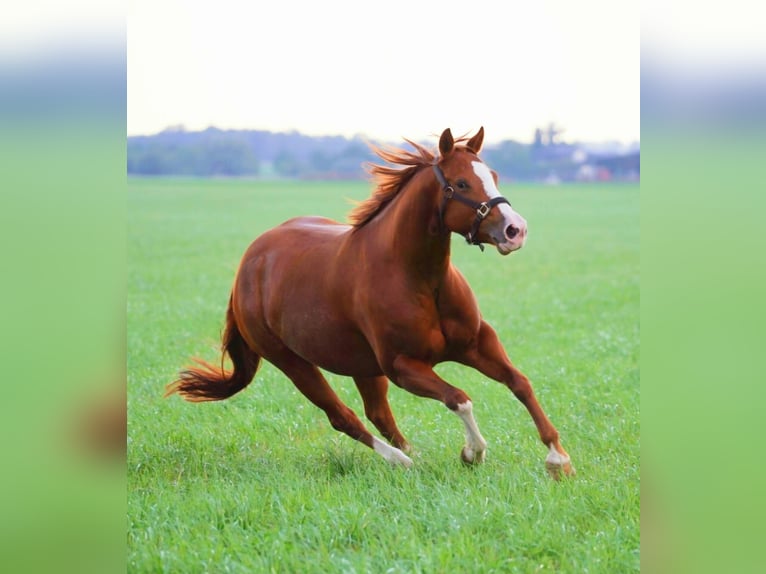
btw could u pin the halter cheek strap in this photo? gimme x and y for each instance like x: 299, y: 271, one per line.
x: 483, y: 209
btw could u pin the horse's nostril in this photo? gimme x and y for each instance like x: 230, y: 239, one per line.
x: 511, y: 231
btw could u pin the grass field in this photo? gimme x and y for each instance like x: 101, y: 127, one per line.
x: 262, y: 483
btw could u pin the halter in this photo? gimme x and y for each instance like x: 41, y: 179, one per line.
x: 483, y: 209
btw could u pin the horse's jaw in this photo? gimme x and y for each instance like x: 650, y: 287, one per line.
x: 508, y: 247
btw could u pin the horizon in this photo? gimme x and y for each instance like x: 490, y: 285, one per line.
x: 366, y: 138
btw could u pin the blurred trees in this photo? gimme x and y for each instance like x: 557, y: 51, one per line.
x: 511, y: 158
x: 176, y: 152
x: 215, y: 152
x: 236, y: 153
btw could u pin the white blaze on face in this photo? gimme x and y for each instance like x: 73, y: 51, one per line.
x: 510, y: 217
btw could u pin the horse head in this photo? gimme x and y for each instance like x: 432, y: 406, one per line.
x: 471, y: 203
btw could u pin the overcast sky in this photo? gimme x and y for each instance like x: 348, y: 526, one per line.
x: 386, y: 70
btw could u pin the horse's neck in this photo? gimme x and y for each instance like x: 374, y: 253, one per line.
x: 411, y: 227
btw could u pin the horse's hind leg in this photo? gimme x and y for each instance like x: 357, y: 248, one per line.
x: 374, y: 391
x: 310, y: 381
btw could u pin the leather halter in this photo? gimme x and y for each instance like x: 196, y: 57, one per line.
x: 483, y: 209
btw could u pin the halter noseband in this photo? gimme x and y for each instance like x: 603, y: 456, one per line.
x: 482, y: 209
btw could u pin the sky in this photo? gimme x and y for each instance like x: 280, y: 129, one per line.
x: 386, y: 70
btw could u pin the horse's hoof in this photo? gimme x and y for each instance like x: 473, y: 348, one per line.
x: 470, y: 457
x: 406, y: 463
x: 557, y: 471
x: 400, y: 460
x: 558, y: 463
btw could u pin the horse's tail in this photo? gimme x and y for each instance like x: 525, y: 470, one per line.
x: 206, y: 382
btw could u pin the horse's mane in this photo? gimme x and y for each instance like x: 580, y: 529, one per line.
x: 389, y: 180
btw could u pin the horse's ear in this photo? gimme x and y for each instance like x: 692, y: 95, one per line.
x: 474, y: 144
x: 446, y: 142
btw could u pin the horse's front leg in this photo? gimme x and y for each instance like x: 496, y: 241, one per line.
x: 489, y: 357
x: 419, y: 378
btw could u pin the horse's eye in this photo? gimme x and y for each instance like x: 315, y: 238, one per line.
x: 462, y: 184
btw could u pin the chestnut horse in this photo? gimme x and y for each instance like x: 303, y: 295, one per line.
x: 379, y: 299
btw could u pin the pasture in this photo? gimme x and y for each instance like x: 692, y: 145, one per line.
x: 262, y: 483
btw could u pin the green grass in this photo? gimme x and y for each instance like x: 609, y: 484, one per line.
x: 261, y: 482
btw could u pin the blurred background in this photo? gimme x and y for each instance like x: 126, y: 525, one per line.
x: 702, y: 313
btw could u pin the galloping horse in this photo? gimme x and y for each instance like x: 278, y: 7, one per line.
x: 379, y: 299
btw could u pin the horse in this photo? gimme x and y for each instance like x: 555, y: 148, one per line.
x: 377, y: 299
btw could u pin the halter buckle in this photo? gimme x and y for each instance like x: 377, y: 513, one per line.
x: 449, y: 192
x: 483, y: 210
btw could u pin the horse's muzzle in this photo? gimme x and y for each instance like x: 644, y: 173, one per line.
x: 509, y: 246
x: 512, y: 235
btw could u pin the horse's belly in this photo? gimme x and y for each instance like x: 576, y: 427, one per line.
x: 330, y: 345
x: 344, y: 358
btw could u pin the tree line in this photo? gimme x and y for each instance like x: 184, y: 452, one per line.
x: 254, y: 153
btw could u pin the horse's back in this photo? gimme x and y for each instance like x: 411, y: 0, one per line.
x: 291, y: 253
x: 295, y: 239
x: 312, y: 225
